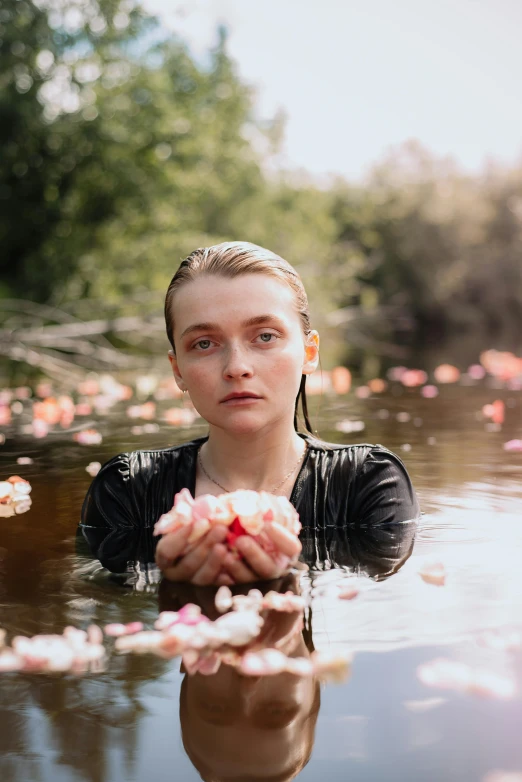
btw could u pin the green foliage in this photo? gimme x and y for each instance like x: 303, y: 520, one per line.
x: 49, y: 52
x: 440, y: 249
x: 121, y: 153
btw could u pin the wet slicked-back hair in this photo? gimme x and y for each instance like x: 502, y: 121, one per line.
x: 233, y: 259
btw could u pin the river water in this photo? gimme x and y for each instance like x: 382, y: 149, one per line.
x: 383, y: 723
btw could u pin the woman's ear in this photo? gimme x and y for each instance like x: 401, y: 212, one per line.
x: 311, y: 353
x: 175, y: 371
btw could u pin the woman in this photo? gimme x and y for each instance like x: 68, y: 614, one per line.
x: 238, y: 322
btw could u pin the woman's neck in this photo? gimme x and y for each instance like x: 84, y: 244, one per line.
x: 258, y: 461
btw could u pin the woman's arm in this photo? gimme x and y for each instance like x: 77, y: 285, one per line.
x: 109, y: 522
x: 383, y: 492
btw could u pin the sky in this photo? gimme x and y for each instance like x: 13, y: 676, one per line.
x: 357, y: 77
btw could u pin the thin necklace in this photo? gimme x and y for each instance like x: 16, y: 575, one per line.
x: 271, y: 490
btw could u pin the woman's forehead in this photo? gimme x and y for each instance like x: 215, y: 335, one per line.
x: 225, y: 301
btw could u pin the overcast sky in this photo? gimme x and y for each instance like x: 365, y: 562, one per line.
x: 356, y: 76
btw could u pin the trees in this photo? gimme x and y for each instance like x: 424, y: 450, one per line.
x: 50, y: 54
x: 438, y: 249
x: 121, y: 153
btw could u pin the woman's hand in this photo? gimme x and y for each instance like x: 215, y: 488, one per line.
x: 211, y: 562
x: 257, y: 564
x: 202, y: 565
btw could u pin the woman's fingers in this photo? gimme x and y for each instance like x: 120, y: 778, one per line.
x: 210, y: 569
x: 209, y: 561
x: 224, y: 579
x: 239, y: 570
x: 256, y: 564
x: 188, y: 565
x: 171, y: 546
x: 261, y: 563
x: 192, y: 561
x: 283, y: 540
x: 187, y: 571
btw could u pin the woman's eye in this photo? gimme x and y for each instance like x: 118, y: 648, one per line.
x: 269, y: 335
x: 204, y: 344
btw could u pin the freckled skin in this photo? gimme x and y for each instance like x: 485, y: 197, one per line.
x: 238, y: 358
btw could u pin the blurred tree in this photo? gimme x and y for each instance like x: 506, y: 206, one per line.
x: 171, y: 149
x: 121, y: 153
x: 120, y: 150
x: 49, y: 53
x: 438, y: 249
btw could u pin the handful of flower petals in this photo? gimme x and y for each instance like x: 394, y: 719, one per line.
x: 244, y: 512
x: 14, y: 496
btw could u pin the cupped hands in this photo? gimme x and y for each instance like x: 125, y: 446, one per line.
x: 211, y: 562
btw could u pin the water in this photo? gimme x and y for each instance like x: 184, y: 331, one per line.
x: 123, y: 725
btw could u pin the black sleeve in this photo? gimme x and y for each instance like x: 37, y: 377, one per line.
x: 109, y: 521
x: 377, y: 532
x: 383, y: 491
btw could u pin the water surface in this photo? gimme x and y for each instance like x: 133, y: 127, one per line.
x: 123, y: 725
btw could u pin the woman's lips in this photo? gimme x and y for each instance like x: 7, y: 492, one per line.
x: 241, y: 400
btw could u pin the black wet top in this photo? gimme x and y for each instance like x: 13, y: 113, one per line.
x: 338, y: 488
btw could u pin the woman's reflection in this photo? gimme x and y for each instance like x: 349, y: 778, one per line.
x: 237, y: 727
x: 248, y: 729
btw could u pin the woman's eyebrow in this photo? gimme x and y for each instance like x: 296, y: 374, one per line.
x: 263, y: 717
x: 255, y: 321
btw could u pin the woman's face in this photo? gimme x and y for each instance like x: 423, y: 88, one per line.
x: 242, y: 727
x: 240, y: 336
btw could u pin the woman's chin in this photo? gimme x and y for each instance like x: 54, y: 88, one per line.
x: 242, y: 421
x: 243, y: 426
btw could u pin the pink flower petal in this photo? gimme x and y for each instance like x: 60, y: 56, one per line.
x: 348, y: 593
x: 115, y: 629
x: 289, y: 602
x: 513, y: 445
x: 451, y: 675
x: 433, y: 573
x: 503, y: 776
x: 223, y: 599
x: 10, y: 661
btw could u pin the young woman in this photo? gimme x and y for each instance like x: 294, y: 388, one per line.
x: 238, y: 322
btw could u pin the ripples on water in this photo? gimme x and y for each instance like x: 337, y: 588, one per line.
x: 382, y: 724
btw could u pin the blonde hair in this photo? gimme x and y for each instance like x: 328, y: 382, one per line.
x: 233, y: 259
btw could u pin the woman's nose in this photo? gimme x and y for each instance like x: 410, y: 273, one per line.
x: 237, y: 364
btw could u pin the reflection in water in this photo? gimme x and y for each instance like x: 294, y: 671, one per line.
x: 237, y: 727
x: 232, y: 726
x: 262, y: 728
x: 379, y: 550
x: 79, y: 723
x: 244, y: 727
x: 123, y: 726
